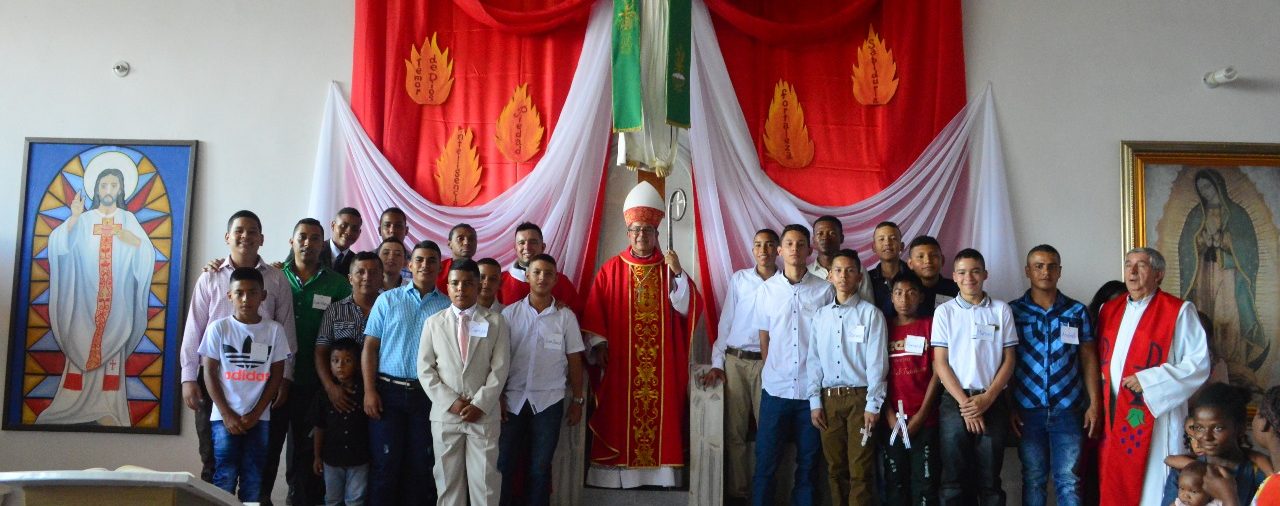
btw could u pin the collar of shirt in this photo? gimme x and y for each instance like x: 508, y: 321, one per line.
x: 409, y: 289
x: 986, y: 302
x: 527, y: 305
x: 1140, y: 303
x: 470, y: 312
x: 518, y: 272
x: 321, y: 273
x: 333, y: 249
x: 227, y: 265
x: 1029, y: 302
x: 851, y: 302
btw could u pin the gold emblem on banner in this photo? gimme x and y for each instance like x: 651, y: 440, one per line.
x: 874, y: 82
x: 519, y: 127
x: 458, y: 169
x: 786, y: 137
x: 428, y: 74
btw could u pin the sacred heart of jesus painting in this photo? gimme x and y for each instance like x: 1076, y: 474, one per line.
x: 97, y: 299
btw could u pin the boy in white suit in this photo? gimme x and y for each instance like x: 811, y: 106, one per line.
x: 462, y: 365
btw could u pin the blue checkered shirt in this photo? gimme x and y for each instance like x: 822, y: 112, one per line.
x: 396, y: 320
x: 1048, y: 373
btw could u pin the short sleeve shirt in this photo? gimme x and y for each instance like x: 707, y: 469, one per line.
x: 975, y: 336
x: 396, y: 320
x: 246, y: 352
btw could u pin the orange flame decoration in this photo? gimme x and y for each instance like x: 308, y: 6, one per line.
x: 786, y: 137
x: 429, y: 74
x: 458, y: 169
x: 874, y: 82
x: 519, y: 127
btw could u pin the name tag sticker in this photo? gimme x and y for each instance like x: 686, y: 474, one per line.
x: 553, y: 342
x: 1069, y: 334
x: 859, y: 334
x: 479, y: 328
x: 915, y: 345
x: 320, y: 302
x: 984, y: 331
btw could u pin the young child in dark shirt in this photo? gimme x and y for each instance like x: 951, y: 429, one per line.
x: 342, y: 438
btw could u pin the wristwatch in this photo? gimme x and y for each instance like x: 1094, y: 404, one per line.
x: 580, y: 401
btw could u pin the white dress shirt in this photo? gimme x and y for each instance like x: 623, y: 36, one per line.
x: 975, y: 336
x: 540, y: 345
x: 849, y: 348
x: 786, y: 311
x: 737, y: 327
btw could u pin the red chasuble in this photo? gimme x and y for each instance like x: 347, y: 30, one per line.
x: 442, y: 279
x: 511, y: 290
x: 1129, y: 423
x: 641, y: 416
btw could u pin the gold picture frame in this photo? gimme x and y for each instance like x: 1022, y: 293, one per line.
x: 1213, y: 210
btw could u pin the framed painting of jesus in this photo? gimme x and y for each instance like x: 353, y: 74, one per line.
x: 97, y: 299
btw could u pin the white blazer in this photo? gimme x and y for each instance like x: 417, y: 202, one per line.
x: 445, y: 377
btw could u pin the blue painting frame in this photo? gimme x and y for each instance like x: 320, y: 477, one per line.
x: 98, y: 294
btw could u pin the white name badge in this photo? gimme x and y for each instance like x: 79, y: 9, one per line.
x: 479, y: 328
x: 915, y: 345
x: 859, y: 334
x: 984, y: 331
x: 321, y: 302
x: 553, y: 342
x: 1069, y: 334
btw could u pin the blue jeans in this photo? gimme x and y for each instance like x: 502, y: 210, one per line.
x: 532, y: 437
x: 1051, y: 440
x: 783, y: 421
x: 238, y: 458
x: 345, y: 485
x: 400, y: 443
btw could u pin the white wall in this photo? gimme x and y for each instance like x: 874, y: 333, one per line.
x: 247, y: 79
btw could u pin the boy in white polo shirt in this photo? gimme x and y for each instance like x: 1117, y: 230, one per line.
x: 847, y: 365
x: 974, y: 342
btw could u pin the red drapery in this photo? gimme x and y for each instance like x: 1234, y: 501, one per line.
x: 495, y: 46
x: 858, y: 149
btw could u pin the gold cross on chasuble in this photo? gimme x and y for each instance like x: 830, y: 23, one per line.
x: 105, y: 232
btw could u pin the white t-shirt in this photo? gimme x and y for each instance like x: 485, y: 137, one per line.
x: 246, y: 353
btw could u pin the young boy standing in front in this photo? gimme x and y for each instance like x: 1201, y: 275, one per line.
x: 341, y: 438
x: 974, y: 344
x: 911, y: 474
x: 243, y: 357
x: 847, y: 365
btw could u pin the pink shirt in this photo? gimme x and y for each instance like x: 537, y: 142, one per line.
x: 209, y: 303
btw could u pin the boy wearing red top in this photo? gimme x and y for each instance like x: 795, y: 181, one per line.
x: 911, y: 474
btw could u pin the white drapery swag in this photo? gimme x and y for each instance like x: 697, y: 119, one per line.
x: 559, y: 194
x: 932, y: 197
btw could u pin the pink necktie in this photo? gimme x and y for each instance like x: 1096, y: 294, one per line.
x: 464, y: 324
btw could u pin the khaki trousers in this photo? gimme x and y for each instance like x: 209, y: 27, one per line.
x: 466, y: 469
x: 849, y: 471
x: 741, y: 406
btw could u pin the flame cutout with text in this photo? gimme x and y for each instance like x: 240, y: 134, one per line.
x: 458, y: 169
x: 874, y: 82
x: 429, y: 74
x: 519, y: 127
x: 786, y: 137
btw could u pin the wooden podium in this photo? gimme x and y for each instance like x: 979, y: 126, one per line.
x: 125, y: 487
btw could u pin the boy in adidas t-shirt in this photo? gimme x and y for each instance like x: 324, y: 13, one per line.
x: 243, y: 358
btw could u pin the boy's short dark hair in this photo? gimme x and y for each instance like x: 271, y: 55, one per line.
x: 393, y: 210
x: 467, y: 265
x: 796, y: 227
x: 349, y: 211
x: 887, y: 224
x: 528, y: 225
x: 827, y: 218
x: 392, y: 240
x: 247, y: 214
x: 908, y: 277
x: 427, y: 244
x: 543, y: 257
x: 488, y: 261
x: 247, y: 274
x: 309, y: 222
x: 769, y: 232
x: 367, y: 255
x: 347, y: 345
x: 923, y: 240
x: 971, y: 254
x: 1045, y: 248
x: 460, y: 226
x: 849, y: 253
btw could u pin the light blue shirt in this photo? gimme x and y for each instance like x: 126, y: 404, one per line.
x: 396, y: 320
x: 849, y: 348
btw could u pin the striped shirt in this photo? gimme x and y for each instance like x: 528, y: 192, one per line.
x: 343, y: 320
x: 396, y: 320
x: 1047, y: 373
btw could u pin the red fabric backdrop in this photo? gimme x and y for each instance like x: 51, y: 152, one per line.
x: 495, y: 47
x: 858, y: 149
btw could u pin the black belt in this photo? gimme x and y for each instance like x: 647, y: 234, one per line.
x: 843, y: 391
x: 744, y: 354
x: 975, y: 391
x: 407, y: 383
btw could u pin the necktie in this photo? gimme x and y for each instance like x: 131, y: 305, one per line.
x: 337, y: 262
x: 464, y: 334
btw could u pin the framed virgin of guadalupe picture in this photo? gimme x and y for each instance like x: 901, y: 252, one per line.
x: 97, y: 302
x: 1213, y: 209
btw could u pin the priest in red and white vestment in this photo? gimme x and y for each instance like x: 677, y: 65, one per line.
x: 639, y: 316
x: 1155, y: 355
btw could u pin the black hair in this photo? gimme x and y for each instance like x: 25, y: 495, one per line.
x: 796, y: 227
x: 427, y: 245
x: 971, y: 254
x: 119, y: 196
x: 827, y: 218
x: 924, y: 240
x: 394, y: 210
x: 542, y: 257
x: 488, y: 261
x: 529, y: 226
x: 908, y: 277
x: 1194, y: 468
x: 1106, y: 292
x: 1230, y: 401
x: 247, y: 274
x: 887, y: 224
x: 1045, y: 248
x: 847, y: 253
x: 467, y: 265
x: 1269, y: 407
x: 347, y: 345
x: 310, y: 222
x: 770, y: 232
x: 460, y: 226
x: 393, y: 240
x: 367, y: 255
x: 243, y: 213
x: 350, y: 211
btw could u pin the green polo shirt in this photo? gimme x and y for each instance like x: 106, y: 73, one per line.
x: 310, y: 299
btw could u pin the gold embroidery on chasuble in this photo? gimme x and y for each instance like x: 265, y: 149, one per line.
x: 646, y: 383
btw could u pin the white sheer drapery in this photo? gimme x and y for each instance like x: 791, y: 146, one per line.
x: 559, y: 194
x: 955, y: 190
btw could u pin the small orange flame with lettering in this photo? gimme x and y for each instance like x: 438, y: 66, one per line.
x: 786, y: 137
x: 458, y: 169
x: 874, y: 82
x: 428, y: 74
x: 519, y: 127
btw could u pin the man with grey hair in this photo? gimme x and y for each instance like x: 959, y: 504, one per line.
x: 1154, y: 356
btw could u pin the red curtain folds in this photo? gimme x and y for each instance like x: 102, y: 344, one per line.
x: 494, y: 46
x: 858, y: 149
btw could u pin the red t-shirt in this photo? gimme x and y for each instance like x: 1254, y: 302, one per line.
x: 909, y: 374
